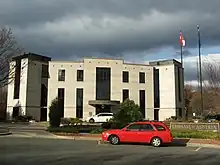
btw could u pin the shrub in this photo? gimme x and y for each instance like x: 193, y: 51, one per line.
x: 129, y: 112
x: 65, y: 121
x: 97, y: 131
x: 55, y: 113
x: 75, y: 121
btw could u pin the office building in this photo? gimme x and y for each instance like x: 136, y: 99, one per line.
x: 95, y: 85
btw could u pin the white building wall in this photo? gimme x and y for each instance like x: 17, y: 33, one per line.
x: 167, y: 91
x: 89, y: 84
x: 31, y: 80
x: 11, y: 102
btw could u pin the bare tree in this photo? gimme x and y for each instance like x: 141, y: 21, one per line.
x: 211, y: 70
x: 3, y: 103
x: 8, y: 48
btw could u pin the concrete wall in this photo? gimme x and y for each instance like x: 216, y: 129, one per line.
x: 35, y: 80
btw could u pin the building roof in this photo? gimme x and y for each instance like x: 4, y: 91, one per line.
x: 32, y: 56
x: 165, y: 62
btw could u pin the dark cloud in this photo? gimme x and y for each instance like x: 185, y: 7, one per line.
x: 73, y: 28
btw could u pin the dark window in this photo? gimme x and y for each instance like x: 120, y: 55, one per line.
x: 179, y: 83
x: 125, y: 94
x: 156, y: 94
x: 61, y: 75
x: 15, y: 112
x: 159, y: 127
x: 61, y: 100
x: 79, y: 75
x: 79, y: 102
x: 125, y: 76
x: 180, y: 113
x: 43, y: 114
x: 17, y: 79
x: 146, y: 127
x: 43, y: 95
x: 142, y: 102
x: 103, y: 83
x: 60, y: 93
x: 134, y: 127
x: 156, y: 88
x: 141, y: 77
x: 45, y: 73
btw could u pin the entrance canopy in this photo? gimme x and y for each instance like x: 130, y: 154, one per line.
x: 104, y: 102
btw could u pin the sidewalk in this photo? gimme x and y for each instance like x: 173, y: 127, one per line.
x: 176, y: 142
x: 4, y: 131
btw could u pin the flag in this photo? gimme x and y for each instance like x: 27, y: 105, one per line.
x: 182, y: 40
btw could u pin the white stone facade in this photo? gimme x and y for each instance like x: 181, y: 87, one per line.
x: 31, y: 80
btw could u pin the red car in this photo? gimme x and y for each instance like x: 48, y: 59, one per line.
x: 152, y: 132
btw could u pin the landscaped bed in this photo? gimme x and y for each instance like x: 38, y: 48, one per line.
x: 95, y: 131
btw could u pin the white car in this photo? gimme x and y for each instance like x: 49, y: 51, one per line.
x: 100, y: 118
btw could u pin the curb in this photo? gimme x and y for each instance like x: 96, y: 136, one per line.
x: 99, y: 140
x: 203, y: 145
x: 5, y: 133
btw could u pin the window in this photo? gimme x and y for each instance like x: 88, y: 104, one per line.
x: 146, y: 127
x: 125, y: 94
x: 61, y: 100
x: 61, y: 75
x: 156, y: 88
x: 43, y: 95
x: 103, y: 83
x: 105, y: 114
x: 44, y: 72
x: 79, y: 102
x: 125, y: 76
x: 141, y: 77
x: 17, y: 79
x: 180, y: 112
x: 134, y: 127
x: 79, y: 75
x: 159, y: 127
x: 60, y: 93
x: 142, y: 102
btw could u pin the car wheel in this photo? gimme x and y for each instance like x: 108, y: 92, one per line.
x: 91, y: 120
x: 156, y: 142
x: 114, y: 139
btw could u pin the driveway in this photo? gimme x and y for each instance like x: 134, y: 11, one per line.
x: 27, y: 151
x: 27, y: 130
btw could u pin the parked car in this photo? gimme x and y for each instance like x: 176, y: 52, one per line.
x: 155, y: 133
x: 100, y: 118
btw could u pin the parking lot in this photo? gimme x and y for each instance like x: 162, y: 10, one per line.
x: 25, y: 151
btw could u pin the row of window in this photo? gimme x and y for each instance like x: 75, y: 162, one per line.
x: 125, y: 77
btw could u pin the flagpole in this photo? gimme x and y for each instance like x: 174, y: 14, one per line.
x: 181, y: 54
x: 200, y: 68
x: 181, y: 50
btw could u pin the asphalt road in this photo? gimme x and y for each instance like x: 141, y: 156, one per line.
x: 29, y: 151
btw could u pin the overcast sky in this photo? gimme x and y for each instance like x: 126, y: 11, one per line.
x: 137, y: 30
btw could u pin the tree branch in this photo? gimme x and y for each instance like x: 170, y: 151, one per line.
x: 8, y: 49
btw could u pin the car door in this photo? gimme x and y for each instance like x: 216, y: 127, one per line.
x: 100, y: 117
x: 130, y: 133
x: 146, y: 133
